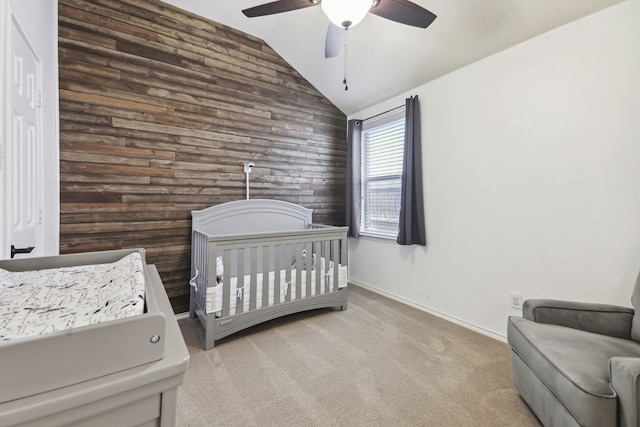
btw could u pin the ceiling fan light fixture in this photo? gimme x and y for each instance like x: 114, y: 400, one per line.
x: 345, y: 13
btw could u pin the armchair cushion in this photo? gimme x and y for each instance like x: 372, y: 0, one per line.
x: 574, y: 366
x: 605, y: 319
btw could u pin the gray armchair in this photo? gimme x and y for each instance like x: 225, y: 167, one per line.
x: 578, y: 364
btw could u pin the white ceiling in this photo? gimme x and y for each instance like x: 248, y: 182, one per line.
x: 386, y: 58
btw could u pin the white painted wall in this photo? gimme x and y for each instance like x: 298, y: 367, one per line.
x: 532, y: 178
x: 41, y: 26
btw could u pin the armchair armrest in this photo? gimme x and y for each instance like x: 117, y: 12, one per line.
x: 624, y: 373
x: 604, y: 319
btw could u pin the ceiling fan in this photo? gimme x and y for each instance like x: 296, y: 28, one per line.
x: 345, y: 14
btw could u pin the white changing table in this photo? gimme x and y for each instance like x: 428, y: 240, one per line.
x: 144, y: 395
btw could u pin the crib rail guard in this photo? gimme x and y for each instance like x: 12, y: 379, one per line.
x: 311, y: 256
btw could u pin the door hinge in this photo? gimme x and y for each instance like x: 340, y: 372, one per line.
x: 40, y: 216
x: 39, y: 100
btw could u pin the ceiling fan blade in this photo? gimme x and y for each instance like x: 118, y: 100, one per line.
x: 278, y: 7
x: 404, y: 12
x: 335, y: 40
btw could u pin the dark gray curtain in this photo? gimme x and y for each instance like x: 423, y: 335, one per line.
x: 353, y: 182
x: 412, y: 225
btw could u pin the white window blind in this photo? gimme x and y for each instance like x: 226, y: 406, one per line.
x: 382, y: 150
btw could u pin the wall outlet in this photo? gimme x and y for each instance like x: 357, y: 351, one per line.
x: 515, y: 299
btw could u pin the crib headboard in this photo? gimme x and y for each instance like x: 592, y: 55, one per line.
x: 251, y: 216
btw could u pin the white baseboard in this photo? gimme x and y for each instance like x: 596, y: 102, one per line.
x: 436, y: 313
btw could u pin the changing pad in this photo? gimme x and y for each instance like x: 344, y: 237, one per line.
x: 43, y: 301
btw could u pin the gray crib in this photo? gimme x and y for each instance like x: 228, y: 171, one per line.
x: 257, y: 260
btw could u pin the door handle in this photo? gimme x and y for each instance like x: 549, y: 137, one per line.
x: 15, y: 250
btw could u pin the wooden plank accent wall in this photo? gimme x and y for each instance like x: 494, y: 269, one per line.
x: 159, y: 111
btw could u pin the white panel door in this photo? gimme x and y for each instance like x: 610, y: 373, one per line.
x: 25, y: 147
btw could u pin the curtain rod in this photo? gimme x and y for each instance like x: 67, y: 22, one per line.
x: 385, y: 112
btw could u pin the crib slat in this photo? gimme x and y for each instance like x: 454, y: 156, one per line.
x: 336, y: 264
x: 196, y: 265
x: 298, y: 270
x: 265, y: 275
x: 253, y: 272
x: 287, y: 274
x: 277, y: 249
x: 318, y: 251
x: 203, y: 280
x: 226, y: 283
x: 307, y: 247
x: 239, y: 296
x: 210, y: 273
x: 325, y: 271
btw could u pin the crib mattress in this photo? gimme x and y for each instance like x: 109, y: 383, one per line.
x: 37, y: 362
x: 240, y: 292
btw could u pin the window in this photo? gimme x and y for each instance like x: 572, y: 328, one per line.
x: 382, y: 149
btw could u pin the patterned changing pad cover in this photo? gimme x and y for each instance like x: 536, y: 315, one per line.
x: 43, y: 301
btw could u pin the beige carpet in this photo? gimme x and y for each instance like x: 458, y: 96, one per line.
x: 380, y: 363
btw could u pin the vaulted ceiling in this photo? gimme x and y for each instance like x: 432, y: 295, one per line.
x: 385, y: 58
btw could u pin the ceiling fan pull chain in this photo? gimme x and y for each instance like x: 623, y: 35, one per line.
x: 345, y: 62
